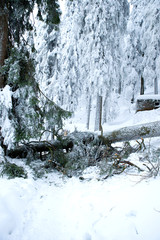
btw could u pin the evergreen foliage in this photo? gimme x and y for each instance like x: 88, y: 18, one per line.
x: 12, y: 170
x: 142, y: 48
x: 32, y: 113
x: 19, y: 18
x: 19, y: 68
x: 52, y: 9
x: 19, y: 12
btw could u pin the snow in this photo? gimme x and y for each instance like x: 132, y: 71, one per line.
x: 58, y: 208
x: 151, y: 97
x: 87, y: 51
x: 6, y: 104
x: 126, y: 116
x: 102, y: 49
x: 6, y: 97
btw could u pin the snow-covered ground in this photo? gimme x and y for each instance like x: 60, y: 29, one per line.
x: 126, y: 116
x: 60, y: 208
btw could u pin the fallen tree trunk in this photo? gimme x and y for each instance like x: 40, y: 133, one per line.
x: 136, y: 132
x: 65, y: 143
x: 44, y: 146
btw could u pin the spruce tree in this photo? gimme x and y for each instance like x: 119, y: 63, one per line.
x: 32, y: 113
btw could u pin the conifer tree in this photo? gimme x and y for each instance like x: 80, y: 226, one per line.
x: 31, y: 113
x: 15, y: 20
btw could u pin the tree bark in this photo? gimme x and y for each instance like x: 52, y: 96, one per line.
x: 98, y: 119
x: 155, y: 85
x: 136, y: 132
x: 142, y: 86
x: 44, y: 146
x: 88, y: 112
x: 3, y: 38
x: 66, y: 143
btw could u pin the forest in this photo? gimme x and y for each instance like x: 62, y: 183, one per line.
x: 72, y: 60
x: 79, y: 119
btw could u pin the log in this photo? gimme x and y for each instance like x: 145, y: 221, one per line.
x: 136, y: 132
x: 66, y: 143
x: 44, y: 146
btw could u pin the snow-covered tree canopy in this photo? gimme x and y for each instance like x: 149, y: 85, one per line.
x: 100, y: 48
x: 143, y: 45
x: 85, y: 56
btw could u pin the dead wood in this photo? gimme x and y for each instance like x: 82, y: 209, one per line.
x: 125, y: 162
x: 147, y: 130
x: 43, y: 146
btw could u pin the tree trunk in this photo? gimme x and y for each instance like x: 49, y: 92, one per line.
x: 67, y: 143
x: 88, y: 112
x: 22, y: 151
x: 98, y: 120
x: 136, y: 132
x: 142, y: 86
x: 155, y: 85
x: 3, y: 37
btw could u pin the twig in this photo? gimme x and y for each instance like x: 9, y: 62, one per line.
x: 130, y: 163
x: 46, y: 96
x: 147, y: 167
